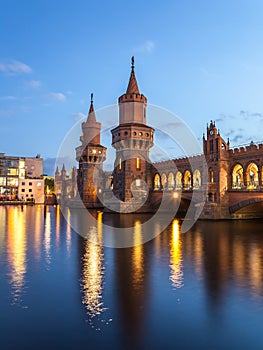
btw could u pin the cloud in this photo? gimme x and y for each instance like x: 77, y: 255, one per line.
x: 15, y: 67
x: 77, y: 116
x: 147, y: 47
x: 58, y: 96
x: 8, y: 98
x: 33, y: 84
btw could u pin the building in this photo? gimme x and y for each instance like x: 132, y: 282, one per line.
x: 14, y: 174
x: 229, y: 180
x: 132, y: 139
x: 31, y: 189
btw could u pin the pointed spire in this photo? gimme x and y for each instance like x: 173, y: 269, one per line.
x: 132, y: 86
x: 91, y: 115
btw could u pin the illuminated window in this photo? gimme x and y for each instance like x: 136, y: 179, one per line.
x: 93, y: 151
x: 120, y: 165
x: 12, y: 171
x: 38, y: 184
x: 138, y: 163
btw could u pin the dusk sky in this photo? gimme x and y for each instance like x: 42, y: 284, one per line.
x: 201, y: 60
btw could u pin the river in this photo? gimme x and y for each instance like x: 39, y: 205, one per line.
x: 199, y: 290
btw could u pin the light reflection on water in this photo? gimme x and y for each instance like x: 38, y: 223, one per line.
x: 134, y: 291
x: 177, y: 275
x: 16, y: 253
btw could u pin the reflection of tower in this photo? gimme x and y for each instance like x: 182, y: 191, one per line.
x: 90, y: 155
x: 132, y: 139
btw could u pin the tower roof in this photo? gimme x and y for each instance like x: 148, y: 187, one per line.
x: 132, y: 86
x: 91, y: 116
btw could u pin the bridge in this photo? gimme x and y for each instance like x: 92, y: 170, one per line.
x: 231, y: 178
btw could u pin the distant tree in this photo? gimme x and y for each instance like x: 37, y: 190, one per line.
x: 49, y: 185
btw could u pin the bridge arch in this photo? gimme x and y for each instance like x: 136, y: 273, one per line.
x: 170, y: 181
x: 157, y: 182
x: 179, y: 180
x: 164, y: 180
x: 187, y: 180
x: 244, y: 203
x: 237, y: 175
x: 252, y: 175
x: 197, y: 179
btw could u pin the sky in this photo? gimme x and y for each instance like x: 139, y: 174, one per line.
x: 200, y: 60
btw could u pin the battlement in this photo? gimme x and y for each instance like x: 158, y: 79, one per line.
x: 132, y: 98
x: 252, y: 147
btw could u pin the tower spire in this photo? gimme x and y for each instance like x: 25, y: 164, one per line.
x: 132, y: 86
x: 91, y: 115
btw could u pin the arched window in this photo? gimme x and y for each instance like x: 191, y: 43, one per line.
x: 252, y: 176
x: 211, y: 175
x: 138, y: 163
x: 157, y: 182
x: 164, y: 180
x: 170, y: 181
x: 237, y: 177
x: 187, y: 180
x: 197, y: 179
x: 178, y: 180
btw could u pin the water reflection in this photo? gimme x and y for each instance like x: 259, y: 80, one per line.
x: 38, y: 230
x: 137, y: 254
x: 93, y: 272
x: 16, y: 252
x: 176, y: 256
x: 47, y: 236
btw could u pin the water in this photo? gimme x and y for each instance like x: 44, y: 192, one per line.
x: 198, y: 290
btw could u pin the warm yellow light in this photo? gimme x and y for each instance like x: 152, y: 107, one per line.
x: 176, y: 276
x: 120, y: 165
x: 175, y: 195
x: 94, y: 151
x: 138, y: 163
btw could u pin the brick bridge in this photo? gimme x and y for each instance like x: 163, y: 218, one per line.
x: 229, y: 180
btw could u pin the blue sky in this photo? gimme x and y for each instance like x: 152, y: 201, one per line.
x: 201, y: 60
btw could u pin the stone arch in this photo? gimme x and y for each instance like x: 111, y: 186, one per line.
x: 179, y: 180
x: 170, y: 181
x: 157, y: 182
x: 235, y: 207
x: 187, y: 179
x: 197, y: 179
x: 252, y: 176
x: 164, y: 180
x: 237, y: 176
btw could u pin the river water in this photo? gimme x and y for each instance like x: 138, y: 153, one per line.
x: 199, y: 290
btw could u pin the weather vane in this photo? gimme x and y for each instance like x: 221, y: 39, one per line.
x: 132, y: 62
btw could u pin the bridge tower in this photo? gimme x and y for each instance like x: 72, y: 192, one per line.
x: 217, y: 157
x: 90, y: 155
x: 132, y: 139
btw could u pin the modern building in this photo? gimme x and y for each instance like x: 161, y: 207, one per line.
x: 31, y: 189
x: 15, y: 171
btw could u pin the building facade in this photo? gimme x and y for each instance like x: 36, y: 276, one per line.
x: 15, y: 171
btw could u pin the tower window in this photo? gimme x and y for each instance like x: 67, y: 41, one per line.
x: 134, y: 133
x: 140, y: 133
x: 138, y: 163
x: 120, y: 164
